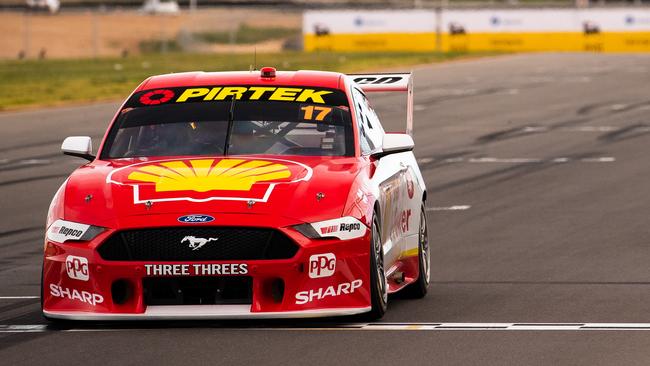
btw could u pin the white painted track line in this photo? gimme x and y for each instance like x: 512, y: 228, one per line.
x: 25, y: 161
x: 581, y: 129
x: 489, y: 159
x: 606, y: 159
x: 449, y: 208
x: 550, y: 129
x: 504, y: 160
x: 473, y: 327
x: 18, y: 297
x: 509, y: 326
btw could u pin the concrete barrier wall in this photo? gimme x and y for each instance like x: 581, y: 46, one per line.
x: 599, y: 30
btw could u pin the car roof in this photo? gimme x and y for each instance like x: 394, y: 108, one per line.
x: 323, y: 79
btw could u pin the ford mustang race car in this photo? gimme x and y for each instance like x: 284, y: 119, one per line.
x: 257, y: 194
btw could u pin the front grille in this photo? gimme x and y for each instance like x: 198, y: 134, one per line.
x: 169, y: 244
x: 197, y: 290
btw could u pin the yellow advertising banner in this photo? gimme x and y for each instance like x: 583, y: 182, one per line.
x: 521, y: 30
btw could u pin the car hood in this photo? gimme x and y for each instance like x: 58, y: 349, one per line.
x: 299, y: 188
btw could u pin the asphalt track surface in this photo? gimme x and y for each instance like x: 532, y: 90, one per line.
x: 538, y: 173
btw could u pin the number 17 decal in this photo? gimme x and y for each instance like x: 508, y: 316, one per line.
x: 320, y: 115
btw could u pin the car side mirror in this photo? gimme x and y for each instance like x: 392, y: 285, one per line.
x: 80, y: 146
x: 394, y: 143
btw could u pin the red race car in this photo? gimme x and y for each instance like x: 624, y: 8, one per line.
x: 240, y: 195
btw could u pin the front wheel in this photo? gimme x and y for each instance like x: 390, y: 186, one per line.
x: 420, y: 287
x: 378, y: 284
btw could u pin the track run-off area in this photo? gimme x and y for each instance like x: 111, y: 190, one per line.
x: 538, y: 176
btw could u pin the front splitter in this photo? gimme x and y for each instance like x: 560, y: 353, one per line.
x: 198, y: 312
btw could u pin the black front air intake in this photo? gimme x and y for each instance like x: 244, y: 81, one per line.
x: 197, y: 290
x: 197, y: 244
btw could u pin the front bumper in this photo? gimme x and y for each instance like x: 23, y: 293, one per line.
x: 78, y: 284
x: 198, y: 312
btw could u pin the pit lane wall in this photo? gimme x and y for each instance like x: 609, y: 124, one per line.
x: 594, y: 30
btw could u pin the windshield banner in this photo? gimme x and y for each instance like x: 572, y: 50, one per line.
x: 241, y: 93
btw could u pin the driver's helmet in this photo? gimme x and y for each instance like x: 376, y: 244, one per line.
x: 208, y: 133
x: 244, y: 128
x: 162, y: 137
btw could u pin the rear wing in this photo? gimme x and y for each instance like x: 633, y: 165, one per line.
x: 390, y: 82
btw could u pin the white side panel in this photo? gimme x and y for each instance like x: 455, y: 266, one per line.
x: 400, y: 189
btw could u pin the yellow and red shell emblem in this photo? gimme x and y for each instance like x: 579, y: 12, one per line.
x: 208, y: 179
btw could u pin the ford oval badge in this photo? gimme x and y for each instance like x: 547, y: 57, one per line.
x: 195, y: 219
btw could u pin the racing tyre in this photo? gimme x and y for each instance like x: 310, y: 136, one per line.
x: 378, y: 284
x: 420, y: 287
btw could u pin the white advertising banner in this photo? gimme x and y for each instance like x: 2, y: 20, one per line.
x: 544, y: 20
x: 616, y: 20
x: 368, y: 21
x: 509, y: 21
x: 511, y: 30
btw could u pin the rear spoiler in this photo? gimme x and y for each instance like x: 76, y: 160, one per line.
x: 390, y: 82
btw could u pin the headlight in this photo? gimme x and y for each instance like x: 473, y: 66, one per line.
x: 61, y: 231
x: 344, y: 228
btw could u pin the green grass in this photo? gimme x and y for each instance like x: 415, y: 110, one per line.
x: 243, y: 35
x: 246, y: 34
x: 53, y: 82
x: 154, y: 45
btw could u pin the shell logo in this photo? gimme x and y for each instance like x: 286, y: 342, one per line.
x: 201, y: 180
x: 203, y: 175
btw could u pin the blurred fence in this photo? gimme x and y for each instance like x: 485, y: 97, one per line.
x: 101, y: 33
x: 349, y: 3
x: 465, y: 30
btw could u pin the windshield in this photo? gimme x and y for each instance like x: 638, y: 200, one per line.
x: 242, y: 120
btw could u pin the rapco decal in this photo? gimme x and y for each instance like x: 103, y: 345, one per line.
x: 198, y: 269
x: 298, y: 94
x: 201, y: 180
x: 60, y: 231
x: 344, y: 228
x: 345, y: 288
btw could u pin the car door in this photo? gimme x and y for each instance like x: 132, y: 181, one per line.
x: 388, y: 178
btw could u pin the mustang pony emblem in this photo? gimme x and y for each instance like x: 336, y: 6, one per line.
x: 197, y: 243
